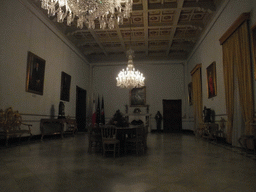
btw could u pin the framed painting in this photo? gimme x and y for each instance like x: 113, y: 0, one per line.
x: 65, y: 86
x: 35, y: 74
x: 253, y: 30
x: 138, y: 97
x: 190, y: 94
x: 211, y: 80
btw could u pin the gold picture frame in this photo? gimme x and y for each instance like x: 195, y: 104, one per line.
x: 138, y: 97
x: 190, y: 94
x: 35, y: 74
x: 211, y: 80
x: 253, y: 33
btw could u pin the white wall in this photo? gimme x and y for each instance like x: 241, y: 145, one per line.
x: 210, y: 50
x: 163, y: 81
x: 22, y: 31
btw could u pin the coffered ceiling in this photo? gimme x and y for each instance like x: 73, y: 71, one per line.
x: 156, y: 30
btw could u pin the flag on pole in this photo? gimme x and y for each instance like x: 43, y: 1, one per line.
x: 93, y: 112
x: 102, y: 112
x: 98, y: 112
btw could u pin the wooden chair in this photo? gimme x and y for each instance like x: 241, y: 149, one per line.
x: 71, y: 126
x: 200, y: 130
x: 109, y: 141
x: 95, y: 139
x: 210, y: 131
x: 145, y: 136
x: 136, y: 142
x: 221, y: 131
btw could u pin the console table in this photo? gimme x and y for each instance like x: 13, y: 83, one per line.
x: 56, y: 126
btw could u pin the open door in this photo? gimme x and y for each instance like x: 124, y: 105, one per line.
x: 172, y: 120
x: 81, y: 109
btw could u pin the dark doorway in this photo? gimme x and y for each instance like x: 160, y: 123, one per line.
x: 172, y: 116
x: 81, y: 109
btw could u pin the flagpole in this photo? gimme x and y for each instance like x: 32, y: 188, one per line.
x: 93, y: 111
x: 98, y: 111
x: 102, y: 112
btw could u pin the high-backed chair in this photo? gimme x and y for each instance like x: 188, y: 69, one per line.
x: 95, y: 139
x: 71, y: 126
x: 221, y: 131
x: 145, y: 136
x: 109, y: 141
x: 136, y: 142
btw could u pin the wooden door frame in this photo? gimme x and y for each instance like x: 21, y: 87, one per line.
x: 165, y: 130
x: 79, y: 104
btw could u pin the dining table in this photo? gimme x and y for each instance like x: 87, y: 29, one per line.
x: 122, y: 133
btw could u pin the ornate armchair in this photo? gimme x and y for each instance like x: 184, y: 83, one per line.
x: 11, y: 123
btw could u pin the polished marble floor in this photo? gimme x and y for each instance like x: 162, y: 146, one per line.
x: 173, y: 162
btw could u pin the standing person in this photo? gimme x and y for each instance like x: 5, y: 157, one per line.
x: 158, y: 119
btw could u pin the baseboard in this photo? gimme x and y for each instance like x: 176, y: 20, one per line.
x: 34, y: 138
x: 187, y: 131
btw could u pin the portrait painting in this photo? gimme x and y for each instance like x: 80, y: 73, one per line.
x: 211, y: 80
x: 138, y: 97
x: 65, y: 86
x: 35, y: 74
x: 190, y: 94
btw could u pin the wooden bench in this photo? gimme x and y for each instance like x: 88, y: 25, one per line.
x: 11, y: 125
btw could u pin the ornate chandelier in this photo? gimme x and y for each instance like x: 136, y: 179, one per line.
x: 87, y: 11
x: 130, y: 78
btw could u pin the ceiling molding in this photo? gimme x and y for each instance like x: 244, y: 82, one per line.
x: 160, y: 29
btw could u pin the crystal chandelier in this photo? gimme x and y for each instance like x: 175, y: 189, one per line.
x: 87, y: 11
x: 130, y: 78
